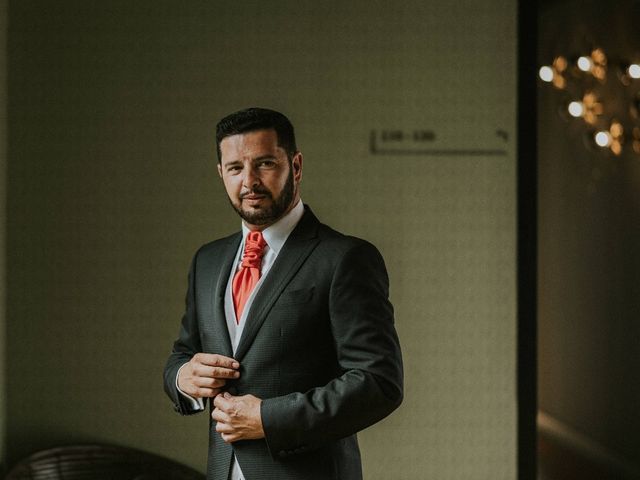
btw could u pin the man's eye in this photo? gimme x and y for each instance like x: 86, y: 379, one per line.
x: 267, y: 163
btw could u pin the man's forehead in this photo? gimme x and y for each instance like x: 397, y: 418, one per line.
x: 251, y: 142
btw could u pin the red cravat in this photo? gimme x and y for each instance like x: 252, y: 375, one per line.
x: 247, y: 277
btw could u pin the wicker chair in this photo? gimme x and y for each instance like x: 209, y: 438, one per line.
x: 100, y: 462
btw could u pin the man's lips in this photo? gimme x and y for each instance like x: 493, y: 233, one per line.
x: 254, y: 200
x: 253, y: 196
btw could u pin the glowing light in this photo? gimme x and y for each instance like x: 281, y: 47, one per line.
x: 616, y: 129
x: 546, y: 74
x: 576, y: 109
x: 599, y: 72
x: 616, y: 148
x: 599, y: 56
x: 585, y: 64
x: 560, y: 64
x: 592, y: 108
x: 634, y: 70
x: 602, y: 139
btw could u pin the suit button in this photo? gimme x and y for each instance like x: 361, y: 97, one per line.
x: 232, y: 390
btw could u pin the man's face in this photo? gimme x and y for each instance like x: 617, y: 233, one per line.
x: 261, y: 183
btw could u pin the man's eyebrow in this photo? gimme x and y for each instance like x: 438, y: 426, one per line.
x: 232, y: 162
x: 264, y: 157
x: 239, y: 161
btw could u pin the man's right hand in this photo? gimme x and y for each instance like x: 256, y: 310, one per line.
x: 206, y: 373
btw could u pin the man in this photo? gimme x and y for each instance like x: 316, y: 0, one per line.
x: 288, y: 329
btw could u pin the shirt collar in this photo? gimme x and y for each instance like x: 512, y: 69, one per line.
x: 275, y: 235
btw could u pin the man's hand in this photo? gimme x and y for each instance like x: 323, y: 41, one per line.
x: 206, y: 373
x: 238, y: 418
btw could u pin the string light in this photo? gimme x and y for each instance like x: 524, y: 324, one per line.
x: 617, y: 137
x: 576, y: 109
x: 592, y: 108
x: 612, y: 138
x: 546, y: 74
x: 634, y: 71
x: 599, y: 66
x: 617, y: 95
x: 554, y: 73
x: 584, y: 64
x: 602, y: 138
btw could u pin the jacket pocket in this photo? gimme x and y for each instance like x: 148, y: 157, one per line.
x: 294, y: 297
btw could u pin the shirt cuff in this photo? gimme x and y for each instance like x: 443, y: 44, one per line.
x: 196, y: 403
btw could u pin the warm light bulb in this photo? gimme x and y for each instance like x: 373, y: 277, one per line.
x: 634, y: 70
x: 616, y: 129
x: 585, y: 64
x: 560, y: 64
x: 576, y: 109
x: 602, y: 139
x: 546, y: 74
x: 616, y: 147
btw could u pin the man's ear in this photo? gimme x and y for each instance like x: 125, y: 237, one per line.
x: 220, y: 170
x: 296, y: 165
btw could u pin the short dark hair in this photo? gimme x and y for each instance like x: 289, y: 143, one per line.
x: 254, y: 118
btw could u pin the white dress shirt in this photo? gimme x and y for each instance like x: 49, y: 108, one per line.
x: 275, y: 236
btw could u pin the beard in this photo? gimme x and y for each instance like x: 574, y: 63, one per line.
x: 271, y: 214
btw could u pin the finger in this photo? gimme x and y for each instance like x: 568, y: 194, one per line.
x: 215, y: 360
x: 221, y: 402
x: 206, y: 382
x: 220, y: 416
x: 226, y: 402
x: 204, y: 392
x: 221, y: 372
x: 229, y: 438
x: 215, y: 372
x: 222, y: 427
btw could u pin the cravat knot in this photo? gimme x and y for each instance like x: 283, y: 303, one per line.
x: 247, y: 277
x: 253, y: 250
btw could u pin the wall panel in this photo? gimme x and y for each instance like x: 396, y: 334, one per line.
x: 406, y: 117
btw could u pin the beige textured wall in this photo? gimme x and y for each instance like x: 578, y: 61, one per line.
x: 113, y: 187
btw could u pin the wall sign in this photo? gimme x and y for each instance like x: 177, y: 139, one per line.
x: 419, y: 141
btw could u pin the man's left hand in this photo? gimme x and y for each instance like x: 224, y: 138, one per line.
x: 238, y: 418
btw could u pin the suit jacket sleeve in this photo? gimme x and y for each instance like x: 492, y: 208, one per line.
x: 185, y: 347
x: 370, y: 384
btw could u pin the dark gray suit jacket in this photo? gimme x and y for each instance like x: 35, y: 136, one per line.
x: 319, y: 348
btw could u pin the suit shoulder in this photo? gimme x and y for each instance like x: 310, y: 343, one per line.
x: 342, y: 253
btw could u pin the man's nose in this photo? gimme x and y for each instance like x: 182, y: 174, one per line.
x: 250, y: 178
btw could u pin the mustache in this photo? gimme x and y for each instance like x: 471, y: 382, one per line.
x: 259, y: 190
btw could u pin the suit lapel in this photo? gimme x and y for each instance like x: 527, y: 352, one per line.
x: 220, y: 341
x: 296, y: 249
